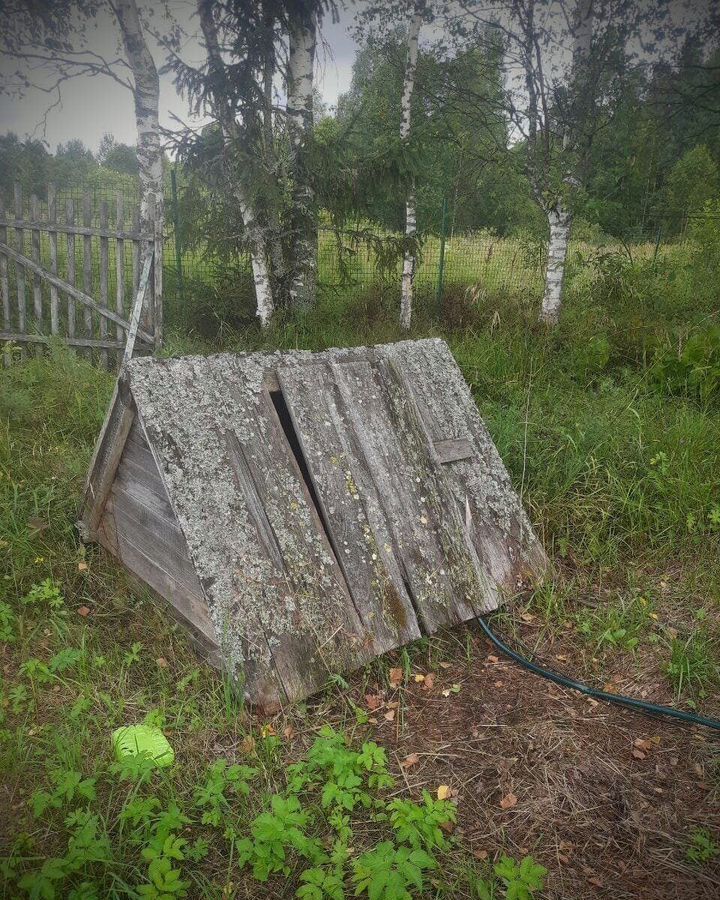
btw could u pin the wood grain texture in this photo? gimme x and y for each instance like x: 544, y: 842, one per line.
x: 356, y: 521
x: 430, y: 548
x: 481, y: 487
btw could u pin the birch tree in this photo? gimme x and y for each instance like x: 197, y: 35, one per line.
x: 302, y: 42
x: 410, y: 257
x: 254, y: 51
x: 54, y: 45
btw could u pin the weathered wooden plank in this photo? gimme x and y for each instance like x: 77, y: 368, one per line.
x: 37, y: 282
x: 17, y: 337
x: 480, y: 484
x: 70, y: 275
x: 75, y: 292
x: 53, y: 238
x: 137, y: 308
x: 323, y: 633
x: 241, y: 632
x: 453, y: 449
x: 439, y: 573
x: 145, y: 492
x: 186, y: 597
x: 302, y: 610
x: 166, y: 545
x: 106, y: 457
x: 19, y: 270
x: 119, y: 265
x: 72, y: 228
x: 4, y: 282
x: 87, y: 265
x: 356, y: 523
x: 104, y: 273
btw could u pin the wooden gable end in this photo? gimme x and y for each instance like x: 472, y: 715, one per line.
x: 139, y: 527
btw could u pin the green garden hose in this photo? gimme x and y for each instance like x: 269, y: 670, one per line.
x: 641, y: 705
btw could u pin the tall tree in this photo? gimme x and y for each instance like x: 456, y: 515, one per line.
x: 410, y: 256
x: 263, y: 152
x: 53, y: 44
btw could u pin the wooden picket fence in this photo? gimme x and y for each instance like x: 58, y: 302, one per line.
x: 95, y: 286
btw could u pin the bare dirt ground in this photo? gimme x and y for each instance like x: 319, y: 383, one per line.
x: 604, y: 797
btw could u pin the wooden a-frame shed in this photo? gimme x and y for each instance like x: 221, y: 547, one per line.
x: 304, y: 513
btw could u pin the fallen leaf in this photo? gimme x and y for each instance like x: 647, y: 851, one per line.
x: 638, y: 754
x: 493, y: 659
x: 412, y: 760
x: 419, y: 678
x: 84, y: 611
x: 289, y: 732
x: 563, y: 859
x: 82, y: 567
x: 498, y: 684
x: 447, y: 827
x: 395, y: 677
x: 508, y: 801
x: 247, y: 744
x: 642, y: 744
x: 374, y: 701
x: 446, y: 693
x: 444, y: 792
x: 267, y: 731
x: 444, y: 665
x: 598, y: 882
x: 390, y: 715
x: 527, y: 617
x: 429, y: 682
x: 480, y: 854
x: 162, y: 662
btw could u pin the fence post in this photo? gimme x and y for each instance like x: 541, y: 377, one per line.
x: 178, y: 251
x: 441, y: 267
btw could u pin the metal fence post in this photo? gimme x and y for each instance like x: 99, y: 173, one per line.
x: 176, y: 220
x: 441, y: 266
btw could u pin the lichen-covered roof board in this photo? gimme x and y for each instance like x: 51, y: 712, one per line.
x: 304, y: 513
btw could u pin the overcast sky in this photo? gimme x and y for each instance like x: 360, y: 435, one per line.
x: 93, y: 106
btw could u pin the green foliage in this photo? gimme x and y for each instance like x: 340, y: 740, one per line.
x: 521, y: 879
x: 419, y: 824
x: 221, y: 779
x: 68, y: 786
x: 621, y: 625
x: 274, y: 835
x: 88, y: 846
x: 347, y: 776
x: 693, y: 668
x: 695, y: 370
x: 391, y: 873
x: 46, y: 593
x: 702, y: 848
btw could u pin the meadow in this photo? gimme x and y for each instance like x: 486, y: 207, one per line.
x: 442, y: 770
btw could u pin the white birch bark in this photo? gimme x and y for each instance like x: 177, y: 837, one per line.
x: 265, y: 303
x: 409, y: 260
x: 302, y: 41
x: 149, y: 152
x: 559, y: 216
x: 560, y: 222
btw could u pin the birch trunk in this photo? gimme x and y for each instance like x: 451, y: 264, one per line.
x: 409, y: 260
x: 302, y: 43
x: 559, y: 216
x: 149, y: 152
x: 560, y: 221
x: 257, y: 240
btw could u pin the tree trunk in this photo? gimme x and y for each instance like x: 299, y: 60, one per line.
x: 560, y: 220
x: 225, y: 115
x: 149, y: 151
x: 409, y: 260
x: 302, y: 42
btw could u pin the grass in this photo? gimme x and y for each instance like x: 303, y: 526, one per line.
x: 619, y: 476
